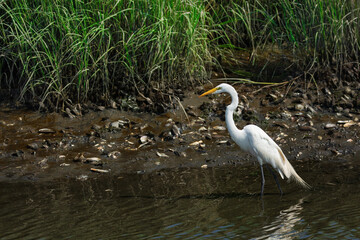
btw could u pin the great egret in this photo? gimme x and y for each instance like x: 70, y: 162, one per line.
x: 255, y: 141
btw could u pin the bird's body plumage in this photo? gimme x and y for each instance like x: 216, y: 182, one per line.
x: 254, y: 140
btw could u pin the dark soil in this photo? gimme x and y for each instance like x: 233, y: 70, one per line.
x: 312, y: 125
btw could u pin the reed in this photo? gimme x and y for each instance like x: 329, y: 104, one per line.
x: 78, y: 51
x: 75, y: 51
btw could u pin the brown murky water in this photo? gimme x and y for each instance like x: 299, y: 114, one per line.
x: 178, y: 204
x: 172, y: 188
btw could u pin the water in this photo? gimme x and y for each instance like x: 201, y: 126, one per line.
x: 214, y: 203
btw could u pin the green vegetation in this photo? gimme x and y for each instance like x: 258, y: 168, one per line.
x: 57, y: 51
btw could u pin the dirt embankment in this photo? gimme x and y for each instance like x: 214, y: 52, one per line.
x: 311, y: 126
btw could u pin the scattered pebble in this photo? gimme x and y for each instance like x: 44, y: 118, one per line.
x: 33, y: 146
x: 114, y: 154
x: 219, y: 128
x: 330, y: 125
x: 43, y: 164
x: 144, y: 139
x: 64, y: 164
x: 161, y: 154
x: 196, y: 143
x: 99, y: 170
x: 202, y: 129
x: 204, y: 166
x: 299, y: 107
x: 82, y: 177
x: 46, y: 130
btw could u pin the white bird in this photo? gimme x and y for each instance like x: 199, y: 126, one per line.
x: 255, y: 141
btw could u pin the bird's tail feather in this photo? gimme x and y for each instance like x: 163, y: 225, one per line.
x: 291, y: 174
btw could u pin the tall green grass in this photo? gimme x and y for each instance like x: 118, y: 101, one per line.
x: 75, y: 51
x: 317, y: 33
x: 80, y: 50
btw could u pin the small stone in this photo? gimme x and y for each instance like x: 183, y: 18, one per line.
x: 93, y: 160
x: 96, y: 127
x: 161, y: 154
x: 64, y: 164
x: 219, y: 128
x: 46, y: 130
x: 144, y: 139
x: 99, y: 170
x: 43, y: 164
x: 204, y: 166
x: 202, y: 129
x: 222, y: 142
x: 114, y: 154
x: 115, y: 124
x: 281, y: 124
x: 33, y: 146
x: 79, y: 157
x: 176, y: 130
x: 299, y: 107
x: 82, y: 177
x: 311, y: 109
x: 196, y: 143
x: 101, y: 108
x: 330, y: 125
x: 285, y: 115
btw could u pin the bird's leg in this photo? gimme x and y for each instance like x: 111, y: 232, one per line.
x: 262, y: 180
x: 276, y: 179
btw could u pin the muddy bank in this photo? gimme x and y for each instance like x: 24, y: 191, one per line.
x: 109, y: 142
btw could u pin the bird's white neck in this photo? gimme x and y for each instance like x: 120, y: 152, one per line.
x: 229, y: 114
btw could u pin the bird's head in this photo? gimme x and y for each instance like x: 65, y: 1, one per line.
x: 218, y: 89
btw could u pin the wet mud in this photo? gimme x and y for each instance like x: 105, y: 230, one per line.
x: 140, y: 147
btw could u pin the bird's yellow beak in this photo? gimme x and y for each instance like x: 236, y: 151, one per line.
x: 208, y: 92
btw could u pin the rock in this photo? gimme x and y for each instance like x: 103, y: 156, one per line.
x: 46, y: 130
x: 33, y: 146
x: 99, y: 170
x: 219, y: 128
x: 204, y: 166
x: 202, y: 129
x: 64, y: 164
x: 43, y: 164
x: 96, y: 127
x: 223, y: 142
x: 281, y: 124
x: 330, y: 125
x: 286, y: 115
x: 161, y: 154
x: 82, y: 177
x: 93, y: 161
x: 176, y: 130
x: 115, y: 125
x: 114, y: 154
x: 144, y: 139
x: 299, y: 107
x: 196, y: 143
x: 79, y: 157
x: 101, y: 108
x: 310, y: 109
